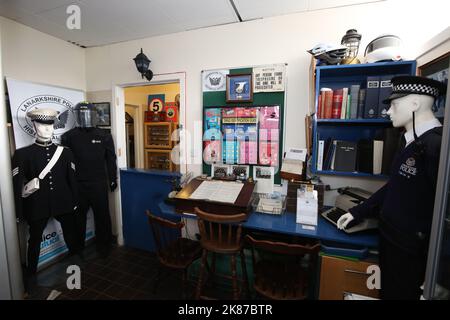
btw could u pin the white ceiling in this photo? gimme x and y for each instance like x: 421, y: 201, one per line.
x: 110, y: 21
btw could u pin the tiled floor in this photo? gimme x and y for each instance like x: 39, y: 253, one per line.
x: 126, y: 274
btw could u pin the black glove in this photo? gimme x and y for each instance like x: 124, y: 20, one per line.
x: 113, y: 186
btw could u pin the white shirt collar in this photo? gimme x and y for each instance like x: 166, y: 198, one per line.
x: 421, y: 129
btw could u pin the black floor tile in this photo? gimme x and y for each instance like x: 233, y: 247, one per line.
x: 126, y: 274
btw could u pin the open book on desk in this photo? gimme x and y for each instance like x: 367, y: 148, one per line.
x: 220, y: 191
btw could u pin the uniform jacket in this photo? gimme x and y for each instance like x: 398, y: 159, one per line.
x: 94, y: 153
x: 57, y: 192
x: 405, y: 204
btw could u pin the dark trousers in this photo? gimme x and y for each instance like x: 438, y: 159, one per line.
x: 94, y: 195
x: 37, y: 227
x: 402, y: 272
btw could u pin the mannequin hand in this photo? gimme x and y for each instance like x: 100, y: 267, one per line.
x: 344, y: 220
x: 113, y: 186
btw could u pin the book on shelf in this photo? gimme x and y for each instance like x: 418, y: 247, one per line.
x: 344, y: 103
x: 349, y: 100
x: 354, y: 90
x: 385, y: 91
x: 328, y: 154
x: 372, y: 95
x: 320, y: 155
x: 337, y: 104
x: 332, y: 155
x: 345, y: 156
x: 364, y: 156
x: 328, y: 105
x: 371, y: 156
x: 361, y: 103
x: 377, y: 156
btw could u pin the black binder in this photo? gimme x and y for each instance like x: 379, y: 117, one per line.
x: 345, y: 159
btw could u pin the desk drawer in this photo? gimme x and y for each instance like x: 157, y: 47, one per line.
x: 355, y: 281
x: 340, y: 276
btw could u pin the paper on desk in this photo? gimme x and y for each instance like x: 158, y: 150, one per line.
x: 307, y: 208
x: 220, y: 191
x: 270, y: 205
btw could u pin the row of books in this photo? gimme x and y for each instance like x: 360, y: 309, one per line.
x: 373, y: 156
x: 342, y: 103
x: 356, y: 102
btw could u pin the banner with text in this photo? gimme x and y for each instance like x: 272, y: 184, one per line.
x: 27, y: 96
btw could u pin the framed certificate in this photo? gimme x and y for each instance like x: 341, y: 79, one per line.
x: 239, y: 88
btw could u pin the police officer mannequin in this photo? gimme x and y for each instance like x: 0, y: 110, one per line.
x: 57, y: 193
x: 95, y: 158
x: 405, y: 204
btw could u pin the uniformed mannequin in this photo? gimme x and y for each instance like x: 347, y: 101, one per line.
x: 95, y: 158
x: 405, y: 204
x: 57, y: 193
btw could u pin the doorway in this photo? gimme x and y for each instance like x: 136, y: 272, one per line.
x: 151, y: 122
x: 118, y: 130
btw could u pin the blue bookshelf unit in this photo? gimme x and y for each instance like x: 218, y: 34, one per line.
x: 344, y: 76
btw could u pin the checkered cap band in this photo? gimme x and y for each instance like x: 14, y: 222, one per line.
x: 43, y: 115
x: 416, y: 88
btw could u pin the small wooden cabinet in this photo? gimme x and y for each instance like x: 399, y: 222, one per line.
x: 158, y: 135
x: 158, y: 145
x: 158, y: 159
x: 339, y: 276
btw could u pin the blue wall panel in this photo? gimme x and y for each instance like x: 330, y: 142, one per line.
x: 142, y: 190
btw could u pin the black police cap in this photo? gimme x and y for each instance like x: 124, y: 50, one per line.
x: 405, y: 85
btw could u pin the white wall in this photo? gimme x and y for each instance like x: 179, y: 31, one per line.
x: 31, y: 55
x: 273, y: 40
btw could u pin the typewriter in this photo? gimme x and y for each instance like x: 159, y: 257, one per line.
x: 348, y: 198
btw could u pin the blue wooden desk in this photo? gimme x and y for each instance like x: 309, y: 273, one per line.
x: 285, y: 224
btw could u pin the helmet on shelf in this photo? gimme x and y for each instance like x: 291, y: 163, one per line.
x: 328, y: 53
x: 383, y: 48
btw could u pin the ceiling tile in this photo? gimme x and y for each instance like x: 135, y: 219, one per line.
x: 35, y: 6
x: 198, y: 13
x: 254, y: 9
x: 323, y: 4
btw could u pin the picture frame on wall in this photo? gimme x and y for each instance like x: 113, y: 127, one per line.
x: 103, y: 114
x: 437, y: 69
x: 239, y: 88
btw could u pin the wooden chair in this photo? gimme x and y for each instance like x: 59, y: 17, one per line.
x: 222, y: 234
x: 279, y: 271
x: 174, y: 253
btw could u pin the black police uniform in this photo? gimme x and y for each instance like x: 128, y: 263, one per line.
x: 56, y: 197
x: 95, y: 158
x: 405, y: 208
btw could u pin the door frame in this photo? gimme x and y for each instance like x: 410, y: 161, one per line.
x: 118, y: 129
x: 138, y: 136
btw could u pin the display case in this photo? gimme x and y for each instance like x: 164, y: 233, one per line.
x: 158, y: 159
x: 157, y: 135
x: 350, y: 116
